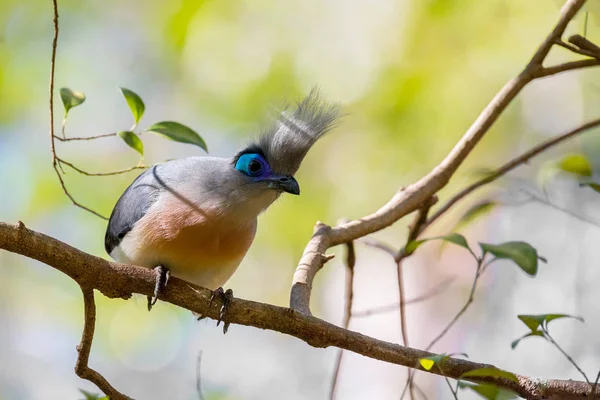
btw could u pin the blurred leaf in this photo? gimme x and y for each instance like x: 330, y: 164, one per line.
x: 477, y: 210
x: 135, y: 103
x: 178, y: 132
x: 522, y: 253
x: 533, y: 322
x: 455, y: 238
x: 576, y: 164
x: 71, y: 98
x: 490, y: 372
x: 132, y: 141
x: 488, y: 391
x: 93, y: 396
x: 514, y: 344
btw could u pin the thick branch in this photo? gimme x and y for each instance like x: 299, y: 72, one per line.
x: 119, y: 280
x: 414, y: 196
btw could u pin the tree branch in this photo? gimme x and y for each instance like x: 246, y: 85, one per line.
x: 412, y: 197
x: 120, y: 281
x: 81, y: 365
x: 509, y: 166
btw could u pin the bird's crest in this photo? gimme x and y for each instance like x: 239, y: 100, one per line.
x: 293, y: 133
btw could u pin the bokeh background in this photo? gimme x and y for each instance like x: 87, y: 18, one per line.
x: 411, y: 75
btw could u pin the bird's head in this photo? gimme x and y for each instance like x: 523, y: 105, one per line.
x: 270, y: 163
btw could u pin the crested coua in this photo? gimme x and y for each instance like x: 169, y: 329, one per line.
x: 195, y: 218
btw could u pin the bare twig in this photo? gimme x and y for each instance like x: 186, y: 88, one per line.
x: 436, y: 290
x: 55, y: 160
x: 62, y: 139
x: 585, y: 44
x: 119, y: 280
x: 509, y: 166
x: 350, y: 264
x: 564, y: 353
x: 577, y: 49
x: 81, y: 366
x: 481, y: 267
x: 122, y: 171
x: 411, y: 198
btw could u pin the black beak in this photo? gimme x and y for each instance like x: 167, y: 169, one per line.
x: 285, y: 183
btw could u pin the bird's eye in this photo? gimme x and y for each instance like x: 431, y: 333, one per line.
x: 254, y: 166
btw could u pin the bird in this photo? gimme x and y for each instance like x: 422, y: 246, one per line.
x: 195, y: 218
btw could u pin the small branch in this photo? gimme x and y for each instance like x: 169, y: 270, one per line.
x: 122, y: 171
x: 436, y: 290
x: 585, y: 44
x: 564, y: 67
x: 480, y: 269
x: 64, y: 188
x: 81, y: 366
x: 567, y: 356
x: 509, y: 166
x: 55, y: 160
x: 576, y: 49
x: 84, y: 138
x: 350, y: 263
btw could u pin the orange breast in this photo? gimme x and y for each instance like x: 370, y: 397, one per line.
x: 196, y: 245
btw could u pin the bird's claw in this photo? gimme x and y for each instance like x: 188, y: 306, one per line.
x: 162, y: 278
x: 226, y: 297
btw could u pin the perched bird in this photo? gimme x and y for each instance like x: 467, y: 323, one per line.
x: 196, y: 217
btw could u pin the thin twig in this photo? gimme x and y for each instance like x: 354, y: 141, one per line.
x: 123, y: 171
x: 350, y: 264
x: 436, y: 290
x: 480, y: 269
x: 55, y: 161
x: 576, y: 49
x: 81, y: 365
x: 84, y: 138
x: 509, y: 166
x: 564, y: 353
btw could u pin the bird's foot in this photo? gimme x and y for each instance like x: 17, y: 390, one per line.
x: 226, y: 297
x: 162, y: 277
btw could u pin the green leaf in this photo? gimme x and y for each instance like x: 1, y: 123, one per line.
x: 576, y: 164
x: 533, y: 322
x: 71, y: 98
x: 428, y: 362
x: 93, y: 396
x: 488, y: 391
x: 132, y: 141
x: 455, y: 238
x: 178, y: 132
x: 514, y: 344
x: 523, y: 254
x: 490, y: 372
x: 135, y: 103
x: 477, y: 210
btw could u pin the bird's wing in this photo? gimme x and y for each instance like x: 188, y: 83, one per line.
x: 133, y: 205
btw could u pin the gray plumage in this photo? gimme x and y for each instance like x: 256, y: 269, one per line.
x: 209, y: 183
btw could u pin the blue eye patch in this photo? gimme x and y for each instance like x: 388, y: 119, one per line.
x: 254, y: 165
